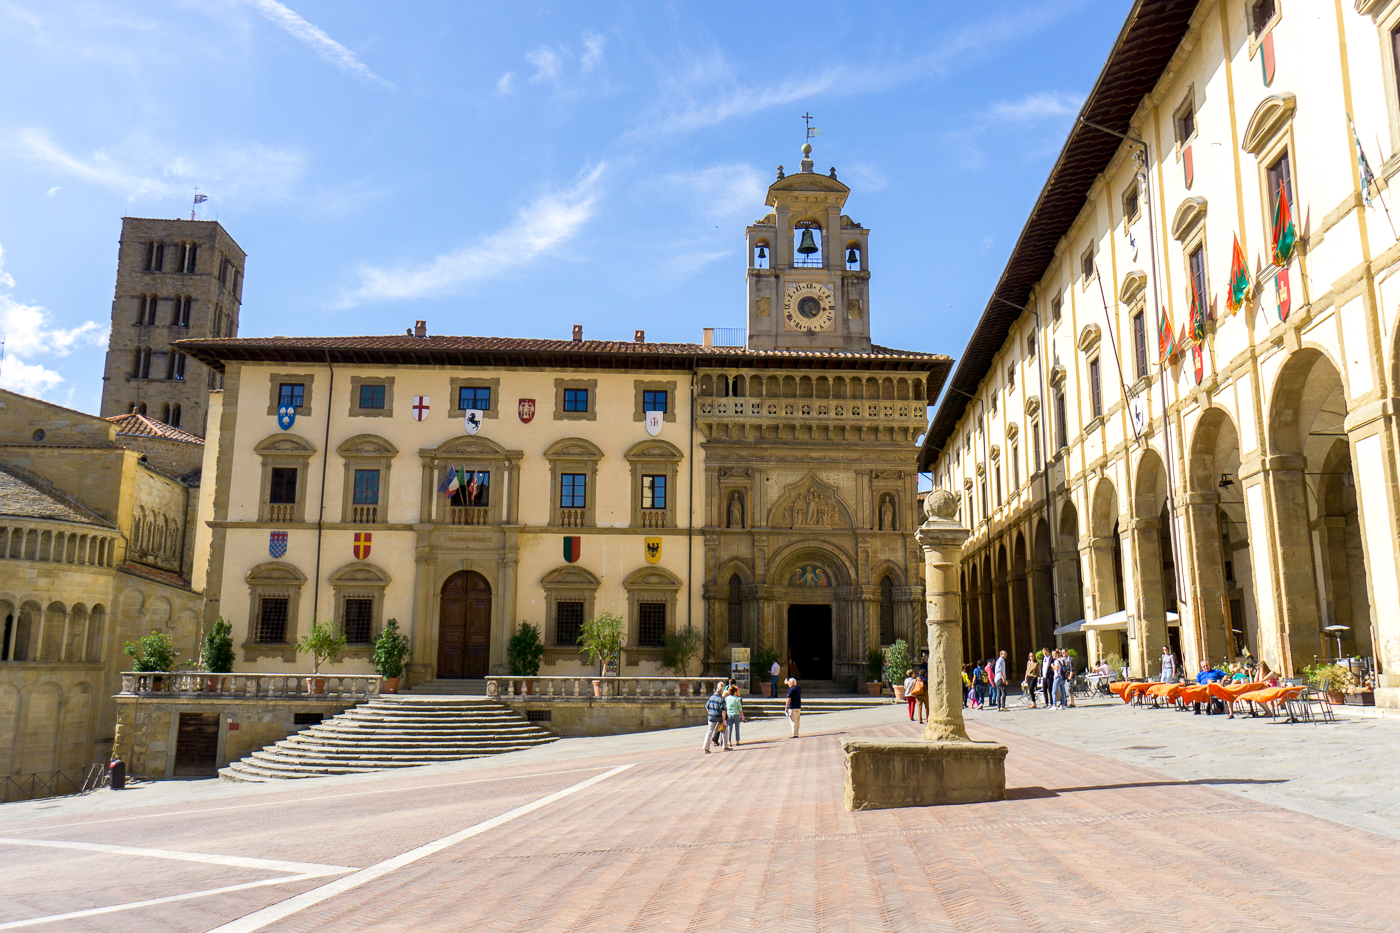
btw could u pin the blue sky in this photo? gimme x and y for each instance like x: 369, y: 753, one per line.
x: 515, y: 168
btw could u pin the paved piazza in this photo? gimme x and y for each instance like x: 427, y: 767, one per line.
x: 1119, y: 819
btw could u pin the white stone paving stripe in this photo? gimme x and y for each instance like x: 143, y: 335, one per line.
x: 311, y: 869
x: 261, y: 918
x: 190, y: 895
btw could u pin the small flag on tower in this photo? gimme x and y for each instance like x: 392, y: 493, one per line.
x: 1239, y: 278
x: 201, y: 198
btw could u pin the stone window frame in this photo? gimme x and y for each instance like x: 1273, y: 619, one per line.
x: 591, y: 385
x: 1132, y: 191
x: 650, y: 584
x: 1386, y: 16
x: 574, y: 455
x: 386, y: 412
x: 471, y: 453
x: 473, y: 382
x: 360, y: 580
x: 569, y: 583
x: 273, y: 578
x: 654, y: 457
x: 365, y: 452
x: 1256, y: 36
x: 284, y: 450
x: 640, y: 386
x: 1269, y: 135
x: 275, y: 387
x: 1188, y: 102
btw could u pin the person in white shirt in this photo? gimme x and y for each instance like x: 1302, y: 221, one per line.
x: 1168, y: 666
x: 774, y: 673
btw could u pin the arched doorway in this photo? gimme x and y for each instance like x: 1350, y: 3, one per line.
x: 464, y: 626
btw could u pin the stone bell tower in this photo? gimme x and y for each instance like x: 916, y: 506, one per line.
x: 809, y: 284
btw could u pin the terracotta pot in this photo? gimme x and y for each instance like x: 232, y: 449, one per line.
x: 597, y: 688
x: 767, y: 688
x: 389, y: 685
x: 529, y: 687
x: 211, y: 684
x: 874, y: 687
x: 1336, y: 697
x: 684, y: 688
x: 315, y: 685
x: 899, y: 693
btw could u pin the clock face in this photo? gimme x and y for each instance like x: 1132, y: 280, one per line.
x: 809, y: 306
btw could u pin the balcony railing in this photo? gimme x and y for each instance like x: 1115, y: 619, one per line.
x: 653, y: 518
x: 568, y: 688
x: 281, y: 512
x: 291, y: 686
x: 573, y: 518
x: 364, y: 514
x: 469, y: 515
x: 902, y: 409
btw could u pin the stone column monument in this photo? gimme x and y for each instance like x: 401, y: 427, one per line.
x: 944, y: 766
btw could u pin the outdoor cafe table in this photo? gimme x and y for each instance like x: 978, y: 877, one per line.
x: 1125, y: 690
x: 1169, y: 692
x: 1195, y: 693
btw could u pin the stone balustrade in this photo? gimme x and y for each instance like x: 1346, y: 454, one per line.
x: 281, y: 686
x: 612, y: 688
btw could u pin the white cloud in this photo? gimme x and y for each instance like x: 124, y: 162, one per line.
x: 53, y: 191
x: 1032, y: 107
x: 547, y: 65
x: 505, y: 84
x: 546, y: 223
x: 29, y: 333
x: 593, y: 54
x: 721, y: 191
x: 257, y: 172
x: 326, y: 48
x: 689, y: 114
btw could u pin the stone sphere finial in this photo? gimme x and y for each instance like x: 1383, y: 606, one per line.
x: 941, y: 504
x: 806, y: 149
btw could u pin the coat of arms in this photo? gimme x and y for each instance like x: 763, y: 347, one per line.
x: 420, y: 407
x: 362, y: 544
x: 654, y: 421
x: 573, y: 547
x: 527, y: 410
x: 286, y: 416
x: 277, y: 544
x: 473, y: 418
x: 653, y: 550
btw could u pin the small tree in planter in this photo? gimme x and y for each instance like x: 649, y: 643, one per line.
x: 390, y: 650
x: 763, y: 665
x: 216, y: 654
x: 682, y: 648
x: 153, y: 653
x: 324, y: 644
x: 601, y: 638
x: 524, y: 652
x: 897, y: 662
x: 874, y: 671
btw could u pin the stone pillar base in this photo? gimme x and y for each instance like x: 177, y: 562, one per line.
x: 1388, y: 697
x: 887, y: 773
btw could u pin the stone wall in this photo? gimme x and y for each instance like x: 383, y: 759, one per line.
x: 569, y: 717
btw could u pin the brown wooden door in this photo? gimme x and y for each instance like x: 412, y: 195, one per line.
x: 464, y: 626
x: 197, y: 745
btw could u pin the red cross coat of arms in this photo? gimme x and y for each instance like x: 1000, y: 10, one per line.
x: 362, y: 543
x: 527, y: 410
x: 420, y: 407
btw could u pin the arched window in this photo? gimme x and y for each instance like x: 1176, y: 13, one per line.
x: 165, y: 413
x: 886, y: 612
x: 736, y: 610
x: 807, y: 243
x: 174, y: 421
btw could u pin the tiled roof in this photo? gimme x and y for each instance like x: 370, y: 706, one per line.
x: 152, y: 573
x: 405, y: 349
x: 134, y: 425
x: 27, y: 495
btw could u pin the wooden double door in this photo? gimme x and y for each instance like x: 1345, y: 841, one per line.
x: 464, y: 626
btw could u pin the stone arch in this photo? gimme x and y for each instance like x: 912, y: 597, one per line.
x: 1306, y: 383
x: 1042, y: 576
x: 887, y: 568
x: 28, y: 620
x: 55, y: 616
x: 1018, y: 580
x: 1103, y: 510
x: 96, y: 634
x: 1001, y: 598
x: 972, y: 615
x: 805, y: 388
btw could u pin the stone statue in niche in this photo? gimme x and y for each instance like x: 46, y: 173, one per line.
x: 736, y: 511
x: 886, y: 514
x: 811, y: 509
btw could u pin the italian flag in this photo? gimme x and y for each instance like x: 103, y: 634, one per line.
x: 1285, y: 237
x: 1239, y: 279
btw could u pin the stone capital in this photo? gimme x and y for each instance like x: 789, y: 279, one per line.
x: 940, y: 534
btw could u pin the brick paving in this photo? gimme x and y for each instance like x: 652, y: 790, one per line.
x: 755, y: 839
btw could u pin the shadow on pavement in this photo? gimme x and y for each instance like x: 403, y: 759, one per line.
x: 1033, y: 793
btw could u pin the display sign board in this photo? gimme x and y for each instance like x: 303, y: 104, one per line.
x: 739, y: 667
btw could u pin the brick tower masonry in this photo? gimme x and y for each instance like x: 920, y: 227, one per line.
x: 175, y: 279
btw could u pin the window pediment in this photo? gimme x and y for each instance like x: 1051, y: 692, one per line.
x: 1134, y: 284
x: 1057, y: 376
x: 469, y: 447
x: 1012, y: 431
x: 1270, y: 118
x: 1089, y: 337
x: 275, y: 572
x: 570, y: 576
x: 1189, y: 213
x: 285, y: 445
x: 573, y: 448
x: 1032, y: 405
x: 367, y: 445
x: 360, y: 574
x: 654, y: 450
x: 652, y: 578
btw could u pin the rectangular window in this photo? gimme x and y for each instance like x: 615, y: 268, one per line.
x: 1056, y: 309
x: 1015, y: 467
x: 1140, y: 343
x: 237, y: 285
x: 1185, y: 123
x: 1030, y: 347
x: 983, y: 487
x: 573, y: 491
x: 480, y: 494
x: 1395, y: 56
x: 474, y: 397
x: 372, y: 396
x: 1262, y: 13
x: 191, y: 257
x: 291, y: 395
x: 282, y: 488
x: 1095, y: 389
x: 652, y: 399
x: 182, y: 311
x: 576, y: 400
x: 1010, y: 379
x: 1198, y: 280
x: 1130, y: 203
x: 1086, y: 264
x: 223, y: 271
x: 152, y: 303
x: 150, y: 256
x: 568, y: 622
x: 1035, y: 443
x: 651, y: 625
x: 366, y: 487
x: 272, y: 620
x: 653, y: 492
x: 1061, y: 429
x: 159, y: 264
x: 359, y: 621
x: 998, y: 487
x: 1281, y: 177
x: 177, y: 365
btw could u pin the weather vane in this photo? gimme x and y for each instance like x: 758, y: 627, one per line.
x: 198, y: 200
x: 811, y: 130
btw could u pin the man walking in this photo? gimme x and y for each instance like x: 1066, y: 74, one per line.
x: 999, y: 679
x: 714, y: 714
x: 774, y: 673
x: 793, y: 709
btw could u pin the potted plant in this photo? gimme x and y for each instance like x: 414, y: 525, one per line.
x: 524, y: 652
x: 766, y: 656
x: 324, y: 644
x: 153, y: 653
x: 897, y: 661
x: 390, y: 650
x: 601, y: 638
x: 1332, y: 679
x: 216, y: 653
x: 682, y: 648
x: 874, y: 671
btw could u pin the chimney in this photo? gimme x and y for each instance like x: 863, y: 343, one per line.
x: 639, y: 337
x: 709, y: 338
x: 578, y: 333
x: 420, y: 328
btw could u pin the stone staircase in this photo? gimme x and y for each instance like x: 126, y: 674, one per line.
x: 395, y: 731
x: 459, y: 687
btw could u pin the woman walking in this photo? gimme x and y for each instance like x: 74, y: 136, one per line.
x: 1032, y: 676
x: 733, y: 713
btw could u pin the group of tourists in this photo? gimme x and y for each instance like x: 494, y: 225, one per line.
x: 916, y: 692
x: 1050, y: 672
x: 724, y: 711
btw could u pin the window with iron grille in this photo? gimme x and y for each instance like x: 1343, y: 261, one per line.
x: 568, y: 622
x: 653, y: 492
x: 651, y: 625
x: 573, y: 491
x: 359, y: 620
x: 372, y: 396
x: 272, y: 620
x: 282, y: 487
x: 474, y: 397
x: 366, y: 487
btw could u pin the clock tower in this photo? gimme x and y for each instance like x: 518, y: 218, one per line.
x: 809, y: 286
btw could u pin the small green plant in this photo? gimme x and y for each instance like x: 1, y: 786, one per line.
x: 764, y: 662
x: 1332, y: 677
x: 323, y: 643
x: 1116, y: 662
x: 898, y: 661
x: 153, y: 653
x: 390, y: 650
x: 601, y: 638
x: 874, y: 665
x: 525, y: 650
x: 216, y: 655
x: 682, y: 648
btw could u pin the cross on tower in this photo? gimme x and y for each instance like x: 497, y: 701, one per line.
x: 807, y: 118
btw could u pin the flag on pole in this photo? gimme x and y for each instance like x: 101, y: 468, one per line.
x: 1285, y: 237
x: 1198, y: 335
x: 201, y: 198
x: 454, y: 484
x: 471, y: 489
x: 1166, y: 337
x: 1239, y: 278
x: 1368, y: 180
x: 446, y: 487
